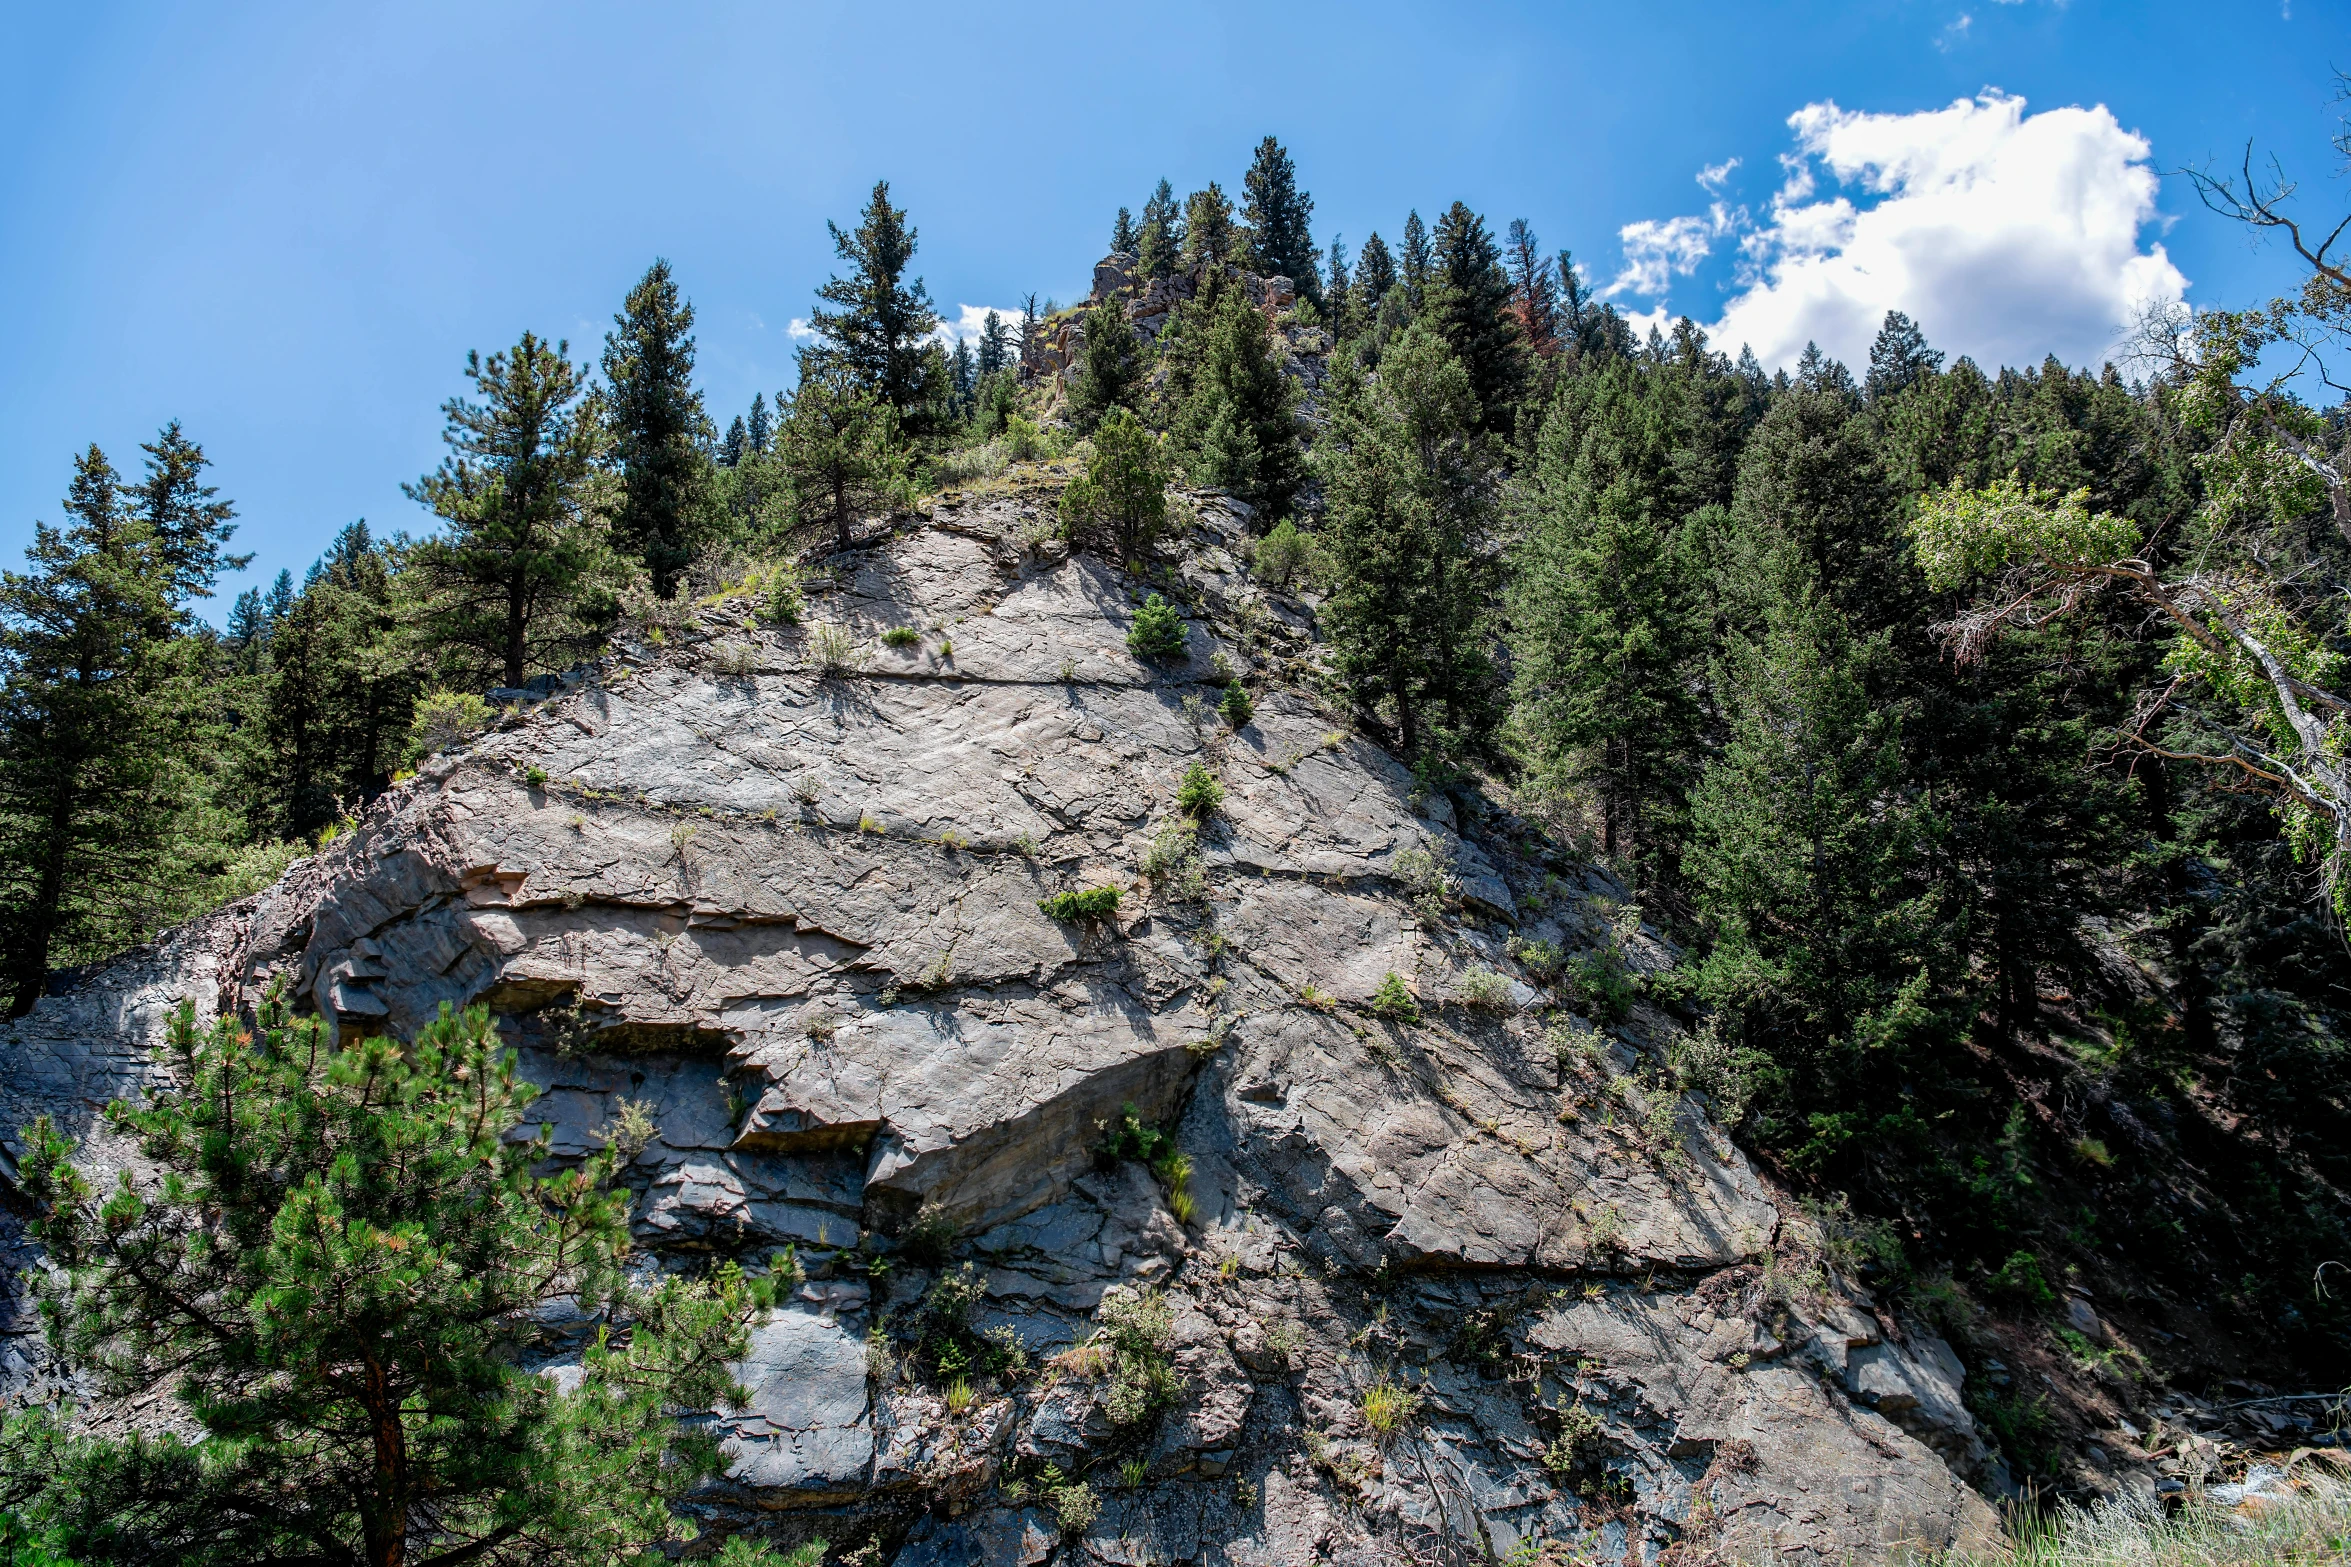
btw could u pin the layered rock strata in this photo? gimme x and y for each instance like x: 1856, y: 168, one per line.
x: 1433, y: 1288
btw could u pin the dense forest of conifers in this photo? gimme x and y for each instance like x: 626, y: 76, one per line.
x: 1969, y: 728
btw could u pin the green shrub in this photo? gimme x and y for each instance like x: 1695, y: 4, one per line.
x: 1023, y: 442
x: 1120, y: 501
x: 1200, y: 794
x: 1136, y: 1332
x: 1093, y: 904
x: 1282, y: 555
x: 901, y: 636
x: 1157, y: 636
x: 254, y: 867
x: 444, y: 719
x: 535, y: 776
x: 1172, y: 862
x: 2021, y: 1281
x: 1394, y: 1002
x: 1236, y: 706
x: 1485, y: 990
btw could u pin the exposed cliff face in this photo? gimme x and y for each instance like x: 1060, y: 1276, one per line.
x: 798, y: 915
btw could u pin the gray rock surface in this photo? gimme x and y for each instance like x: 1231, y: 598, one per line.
x: 797, y: 916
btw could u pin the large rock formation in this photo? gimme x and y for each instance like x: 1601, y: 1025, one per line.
x: 788, y: 896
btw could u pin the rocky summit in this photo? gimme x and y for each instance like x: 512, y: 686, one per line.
x: 1284, y: 1213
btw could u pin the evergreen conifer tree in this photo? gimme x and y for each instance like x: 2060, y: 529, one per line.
x: 1120, y: 501
x: 1122, y: 234
x: 1237, y: 423
x: 1416, y: 263
x: 102, y: 725
x: 189, y: 523
x: 839, y: 441
x: 1279, y: 215
x: 1160, y: 236
x: 1469, y: 298
x: 995, y: 345
x: 1110, y: 366
x: 1534, y: 292
x: 344, y: 1277
x: 962, y: 373
x: 1899, y: 357
x: 1603, y: 626
x: 512, y: 585
x: 1375, y: 274
x: 336, y: 701
x: 735, y: 444
x: 1208, y: 229
x: 879, y: 330
x: 659, y: 429
x: 762, y: 428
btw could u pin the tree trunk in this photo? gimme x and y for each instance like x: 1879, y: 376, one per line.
x: 28, y: 947
x: 517, y: 622
x: 841, y: 515
x: 384, y: 1514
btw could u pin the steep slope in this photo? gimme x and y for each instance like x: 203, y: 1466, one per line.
x: 1431, y: 1289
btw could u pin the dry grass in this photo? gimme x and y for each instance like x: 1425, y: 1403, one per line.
x: 2306, y: 1519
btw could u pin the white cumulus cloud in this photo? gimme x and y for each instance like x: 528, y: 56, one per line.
x: 2004, y: 235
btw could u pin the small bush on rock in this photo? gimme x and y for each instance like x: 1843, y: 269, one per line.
x: 1394, y: 1002
x: 901, y: 637
x: 1282, y: 555
x: 1485, y: 990
x: 444, y: 719
x: 1094, y: 903
x: 1136, y: 1333
x: 1201, y: 793
x: 1172, y: 862
x: 1236, y: 706
x: 1157, y: 636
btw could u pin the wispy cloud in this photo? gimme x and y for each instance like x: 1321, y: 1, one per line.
x: 1716, y: 175
x: 1955, y: 32
x: 799, y: 329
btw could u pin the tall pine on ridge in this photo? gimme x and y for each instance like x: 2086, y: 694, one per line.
x: 660, y: 433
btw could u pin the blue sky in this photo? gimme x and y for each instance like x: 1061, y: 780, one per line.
x: 286, y: 224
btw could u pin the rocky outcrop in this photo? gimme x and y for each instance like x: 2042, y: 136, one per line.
x: 1429, y: 1290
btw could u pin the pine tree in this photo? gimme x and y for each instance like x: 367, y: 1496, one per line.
x: 1375, y: 274
x: 1417, y: 262
x: 736, y: 443
x: 962, y: 373
x: 510, y: 587
x: 1803, y: 857
x: 1122, y: 234
x: 995, y: 345
x: 1279, y: 214
x: 1208, y: 229
x: 1899, y: 357
x: 1342, y: 286
x: 1603, y: 626
x: 1160, y: 236
x: 1026, y: 339
x: 342, y: 683
x: 1110, y: 366
x: 1468, y: 296
x: 189, y: 523
x: 281, y: 596
x: 762, y: 428
x: 658, y: 430
x: 346, y: 1277
x: 1534, y: 293
x: 101, y: 726
x: 839, y: 441
x: 1120, y: 501
x: 1236, y: 426
x: 1407, y: 509
x: 1376, y: 529
x: 879, y: 331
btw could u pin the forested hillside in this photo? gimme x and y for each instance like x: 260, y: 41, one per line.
x: 1973, y: 733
